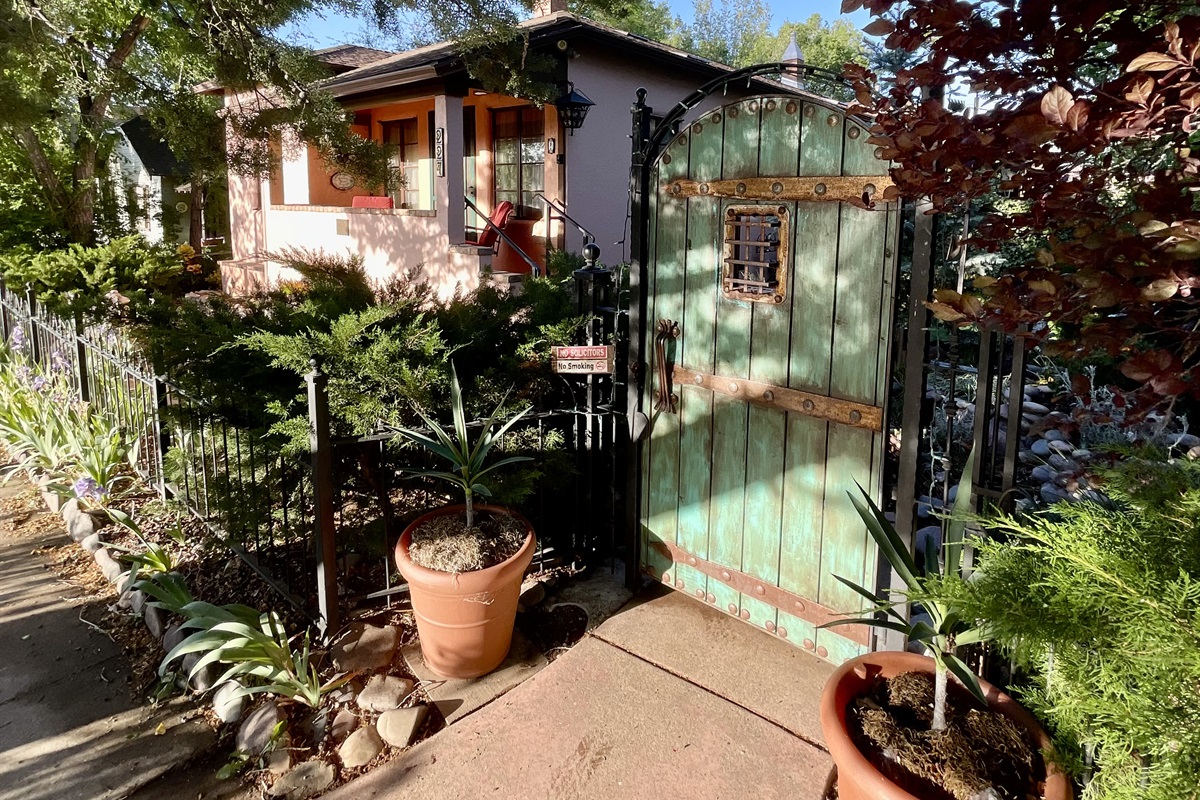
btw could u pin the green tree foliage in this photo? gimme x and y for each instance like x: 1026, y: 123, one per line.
x: 649, y: 18
x: 75, y: 68
x: 1101, y: 604
x: 733, y: 32
x: 829, y: 45
x: 1086, y: 115
x: 726, y: 31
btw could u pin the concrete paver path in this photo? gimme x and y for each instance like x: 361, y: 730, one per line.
x: 607, y: 721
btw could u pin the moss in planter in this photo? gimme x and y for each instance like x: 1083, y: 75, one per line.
x: 978, y: 749
x: 446, y: 544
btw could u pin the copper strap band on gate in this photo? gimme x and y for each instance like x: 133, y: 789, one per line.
x: 781, y: 599
x: 844, y: 412
x: 833, y: 188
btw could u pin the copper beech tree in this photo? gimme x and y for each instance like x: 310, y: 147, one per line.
x: 1091, y: 124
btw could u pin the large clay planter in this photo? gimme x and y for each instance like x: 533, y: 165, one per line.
x: 465, y: 620
x: 857, y: 777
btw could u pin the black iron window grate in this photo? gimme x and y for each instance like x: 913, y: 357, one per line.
x: 755, y: 266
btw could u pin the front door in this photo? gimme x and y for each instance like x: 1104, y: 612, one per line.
x: 772, y: 258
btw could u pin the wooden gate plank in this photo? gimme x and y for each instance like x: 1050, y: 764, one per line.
x: 662, y: 477
x: 815, y: 243
x: 769, y: 339
x: 728, y: 501
x: 854, y: 375
x: 697, y: 345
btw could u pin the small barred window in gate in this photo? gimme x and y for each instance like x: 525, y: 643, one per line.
x: 756, y: 239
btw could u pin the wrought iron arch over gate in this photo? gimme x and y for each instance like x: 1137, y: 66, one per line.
x: 764, y: 261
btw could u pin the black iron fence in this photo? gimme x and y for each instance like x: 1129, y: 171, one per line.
x: 319, y: 526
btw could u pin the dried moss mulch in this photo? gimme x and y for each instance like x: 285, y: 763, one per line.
x: 446, y: 544
x: 977, y: 750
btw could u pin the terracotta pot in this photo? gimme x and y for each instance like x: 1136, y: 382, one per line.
x: 857, y: 777
x: 465, y: 620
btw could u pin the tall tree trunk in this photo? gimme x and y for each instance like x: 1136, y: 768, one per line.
x: 81, y: 212
x: 196, y: 215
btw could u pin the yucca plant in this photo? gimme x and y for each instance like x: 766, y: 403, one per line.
x: 257, y: 650
x: 468, y: 459
x: 947, y: 629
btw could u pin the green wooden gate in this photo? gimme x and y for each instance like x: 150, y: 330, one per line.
x: 769, y: 279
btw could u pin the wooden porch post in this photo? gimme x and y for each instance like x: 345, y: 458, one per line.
x: 448, y: 167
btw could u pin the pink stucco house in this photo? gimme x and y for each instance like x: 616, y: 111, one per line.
x: 456, y: 142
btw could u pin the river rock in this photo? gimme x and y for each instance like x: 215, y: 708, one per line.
x: 306, y: 780
x: 254, y: 734
x: 174, y: 636
x: 399, y: 727
x: 1042, y: 473
x: 532, y: 594
x: 1050, y: 493
x: 1061, y: 462
x: 228, y: 705
x: 70, y: 509
x: 366, y: 647
x: 1061, y: 447
x: 81, y: 526
x: 1031, y: 407
x: 203, y: 680
x: 108, y: 565
x: 1081, y: 454
x: 156, y: 620
x: 384, y: 692
x: 1185, y: 441
x: 360, y: 747
x: 1053, y: 435
x: 344, y: 724
x: 137, y: 601
x: 1040, y: 448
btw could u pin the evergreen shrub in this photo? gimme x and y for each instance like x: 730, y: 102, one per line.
x: 1099, y: 603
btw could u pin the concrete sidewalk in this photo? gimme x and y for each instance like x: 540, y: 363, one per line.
x: 669, y: 697
x: 68, y: 726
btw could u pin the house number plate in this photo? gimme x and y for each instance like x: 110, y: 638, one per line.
x: 583, y: 360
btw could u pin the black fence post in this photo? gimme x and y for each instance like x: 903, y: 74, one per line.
x: 321, y: 447
x: 81, y: 365
x: 639, y: 193
x: 5, y: 322
x: 35, y: 341
x: 592, y: 282
x: 162, y: 435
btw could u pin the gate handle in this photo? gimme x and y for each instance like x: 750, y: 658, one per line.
x: 666, y: 399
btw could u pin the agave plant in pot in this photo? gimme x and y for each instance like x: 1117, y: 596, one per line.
x: 464, y: 562
x: 906, y: 726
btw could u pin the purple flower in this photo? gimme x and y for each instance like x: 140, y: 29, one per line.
x: 87, y: 489
x: 39, y: 383
x: 58, y: 363
x: 17, y: 340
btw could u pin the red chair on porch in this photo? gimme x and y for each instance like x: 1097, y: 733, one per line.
x: 370, y: 201
x: 499, y: 219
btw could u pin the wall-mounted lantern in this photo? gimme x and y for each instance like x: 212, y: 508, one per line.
x: 573, y: 107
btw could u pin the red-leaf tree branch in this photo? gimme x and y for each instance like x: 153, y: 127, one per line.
x: 1090, y: 120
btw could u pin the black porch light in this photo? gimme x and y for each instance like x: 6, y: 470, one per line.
x: 572, y: 108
